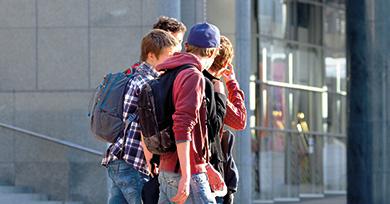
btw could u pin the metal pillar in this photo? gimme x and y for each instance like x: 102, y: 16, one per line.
x: 368, y: 46
x: 243, y: 61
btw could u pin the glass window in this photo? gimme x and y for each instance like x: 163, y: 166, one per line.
x: 290, y: 63
x: 274, y: 60
x: 272, y: 17
x: 336, y: 112
x: 305, y: 22
x: 275, y: 170
x: 274, y: 109
x: 336, y: 73
x: 335, y: 164
x: 291, y: 20
x: 310, y: 162
x: 334, y: 30
x: 295, y: 132
x: 306, y: 108
x: 307, y: 66
x: 335, y: 2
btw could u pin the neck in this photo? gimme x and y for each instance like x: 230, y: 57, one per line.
x: 214, y: 73
x: 150, y: 64
x: 204, y: 62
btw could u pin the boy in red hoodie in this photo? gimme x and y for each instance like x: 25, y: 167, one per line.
x: 189, y: 121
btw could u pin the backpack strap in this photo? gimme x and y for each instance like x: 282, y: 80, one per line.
x: 132, y: 117
x: 219, y: 145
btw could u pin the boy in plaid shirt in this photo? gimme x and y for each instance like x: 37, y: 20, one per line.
x: 125, y: 159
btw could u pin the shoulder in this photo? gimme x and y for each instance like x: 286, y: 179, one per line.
x: 138, y: 79
x: 191, y: 72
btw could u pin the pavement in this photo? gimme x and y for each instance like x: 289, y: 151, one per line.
x: 326, y: 200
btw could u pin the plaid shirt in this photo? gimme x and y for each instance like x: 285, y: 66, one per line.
x: 133, y: 152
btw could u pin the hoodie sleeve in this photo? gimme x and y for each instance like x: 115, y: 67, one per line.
x: 235, y: 108
x: 188, y: 92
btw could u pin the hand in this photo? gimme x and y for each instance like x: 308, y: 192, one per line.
x: 215, y: 178
x: 229, y: 74
x: 183, y: 191
x: 156, y: 170
x: 153, y: 169
x: 219, y: 87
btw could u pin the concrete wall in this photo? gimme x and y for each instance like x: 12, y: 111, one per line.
x: 61, y: 172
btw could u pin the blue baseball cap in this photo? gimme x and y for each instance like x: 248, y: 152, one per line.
x: 204, y: 35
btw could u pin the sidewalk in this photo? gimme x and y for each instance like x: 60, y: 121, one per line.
x: 327, y: 200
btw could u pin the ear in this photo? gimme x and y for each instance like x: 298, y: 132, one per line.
x: 152, y: 56
x: 186, y: 45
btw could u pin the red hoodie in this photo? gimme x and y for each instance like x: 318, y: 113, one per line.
x: 235, y: 108
x: 189, y: 119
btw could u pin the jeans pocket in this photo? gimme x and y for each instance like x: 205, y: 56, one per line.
x: 172, y: 182
x: 201, y: 189
x: 200, y: 178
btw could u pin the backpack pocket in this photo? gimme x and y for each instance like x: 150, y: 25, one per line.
x: 106, y: 127
x: 157, y: 141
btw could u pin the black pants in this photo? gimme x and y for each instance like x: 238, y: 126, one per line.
x: 229, y: 197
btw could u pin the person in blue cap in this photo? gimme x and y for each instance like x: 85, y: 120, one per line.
x: 185, y: 175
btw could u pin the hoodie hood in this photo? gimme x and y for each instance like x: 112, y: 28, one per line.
x: 179, y: 59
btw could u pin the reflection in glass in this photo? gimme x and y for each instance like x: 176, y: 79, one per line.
x: 289, y: 63
x: 300, y: 107
x: 335, y: 164
x: 308, y: 66
x: 334, y: 29
x: 273, y: 17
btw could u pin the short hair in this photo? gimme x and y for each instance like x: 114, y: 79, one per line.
x: 226, y: 54
x: 155, y: 41
x: 203, y: 52
x: 170, y: 24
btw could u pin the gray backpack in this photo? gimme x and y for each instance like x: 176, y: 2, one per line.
x: 106, y: 115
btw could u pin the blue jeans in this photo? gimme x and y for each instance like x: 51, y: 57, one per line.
x: 219, y: 200
x: 127, y: 183
x: 200, y: 191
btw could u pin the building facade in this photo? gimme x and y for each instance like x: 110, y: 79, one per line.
x: 290, y: 60
x: 298, y: 100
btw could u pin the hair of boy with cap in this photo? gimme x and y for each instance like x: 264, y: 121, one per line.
x: 155, y: 41
x: 170, y: 24
x: 225, y: 55
x: 203, y: 40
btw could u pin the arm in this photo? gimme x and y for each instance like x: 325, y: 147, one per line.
x: 183, y: 151
x: 235, y: 109
x: 188, y: 90
x: 148, y: 155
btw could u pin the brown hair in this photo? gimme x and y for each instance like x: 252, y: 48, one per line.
x: 226, y: 54
x: 170, y: 24
x: 203, y: 52
x: 155, y: 41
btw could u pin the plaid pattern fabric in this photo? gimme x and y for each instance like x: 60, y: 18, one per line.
x: 133, y: 152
